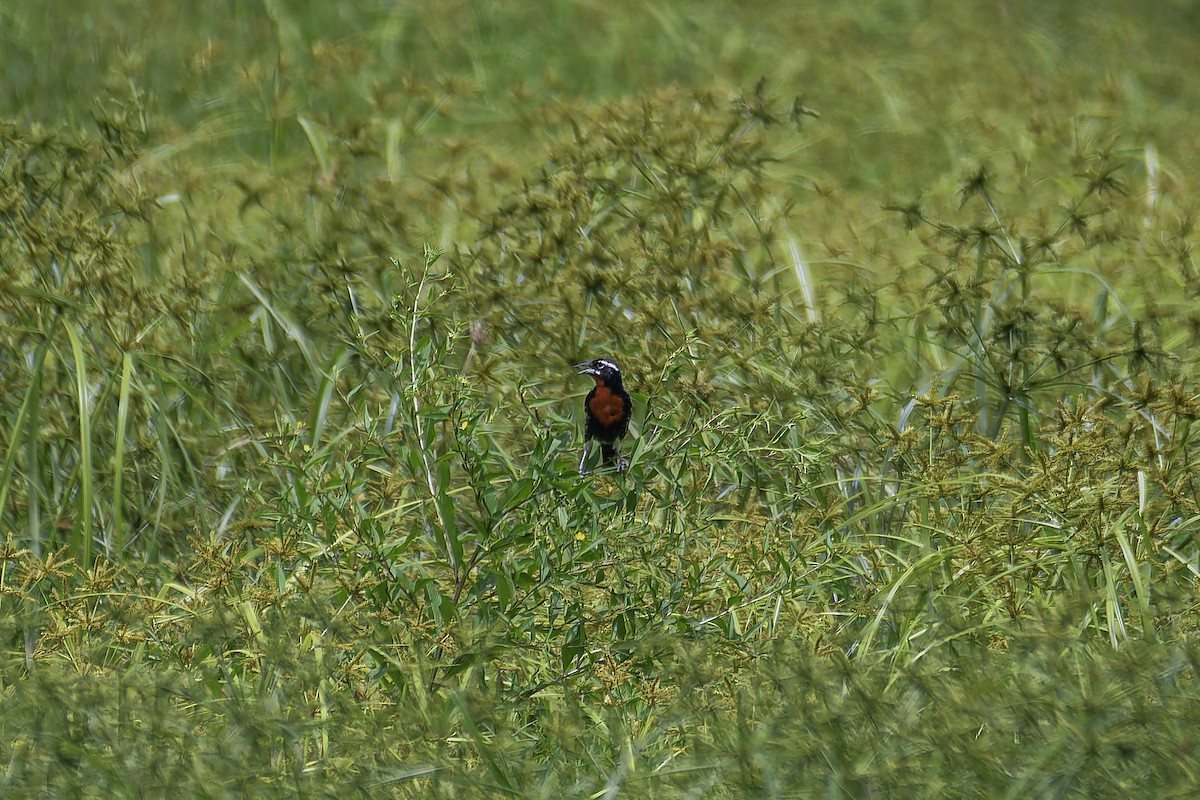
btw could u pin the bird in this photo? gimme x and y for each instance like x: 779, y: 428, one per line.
x: 608, y: 407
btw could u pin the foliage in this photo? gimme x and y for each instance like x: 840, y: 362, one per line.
x: 288, y: 434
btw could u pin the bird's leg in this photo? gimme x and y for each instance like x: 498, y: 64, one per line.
x: 587, y: 448
x: 611, y: 455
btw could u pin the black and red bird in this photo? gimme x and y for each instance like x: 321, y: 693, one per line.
x: 608, y: 407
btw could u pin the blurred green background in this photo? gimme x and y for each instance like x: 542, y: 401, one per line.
x: 905, y: 293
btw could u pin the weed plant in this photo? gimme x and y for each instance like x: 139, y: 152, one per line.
x: 288, y: 427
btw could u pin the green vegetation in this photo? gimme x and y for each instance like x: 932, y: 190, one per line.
x: 906, y: 297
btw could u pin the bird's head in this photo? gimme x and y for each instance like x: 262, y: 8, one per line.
x: 601, y: 369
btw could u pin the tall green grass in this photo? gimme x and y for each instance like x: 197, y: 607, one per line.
x: 288, y: 428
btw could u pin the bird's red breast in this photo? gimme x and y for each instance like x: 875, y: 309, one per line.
x: 606, y: 406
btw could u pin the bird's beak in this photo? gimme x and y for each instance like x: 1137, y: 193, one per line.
x: 584, y: 369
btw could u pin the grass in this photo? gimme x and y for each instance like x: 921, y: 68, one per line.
x: 289, y: 301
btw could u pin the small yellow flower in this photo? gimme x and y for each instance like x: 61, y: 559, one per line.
x: 579, y: 537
